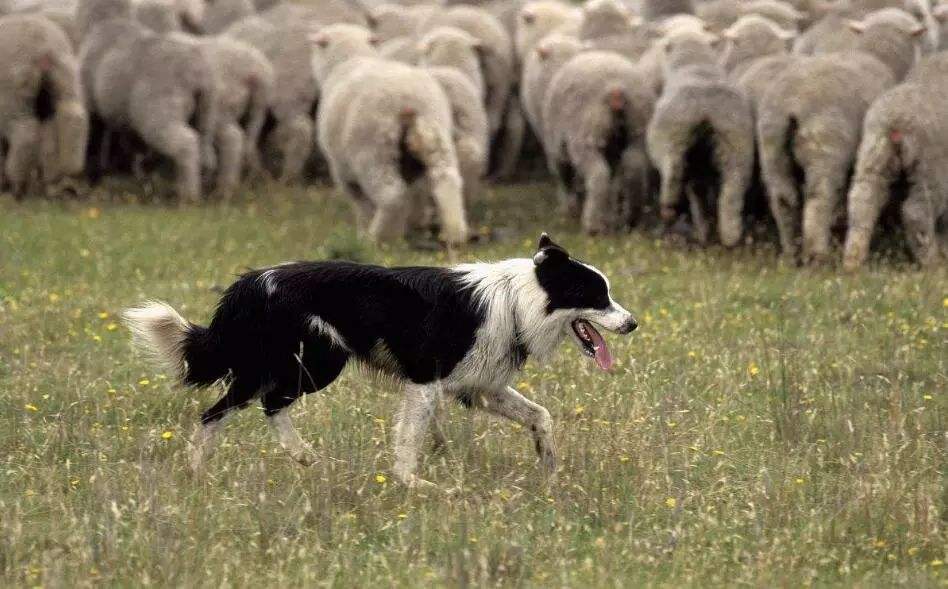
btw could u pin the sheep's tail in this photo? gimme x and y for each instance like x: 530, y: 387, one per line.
x: 426, y: 140
x: 189, y: 352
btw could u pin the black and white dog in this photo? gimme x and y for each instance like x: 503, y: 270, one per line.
x: 461, y: 332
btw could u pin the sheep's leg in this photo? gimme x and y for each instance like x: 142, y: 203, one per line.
x: 731, y: 208
x: 471, y: 163
x: 672, y: 170
x: 182, y: 145
x: 699, y: 220
x: 297, y: 141
x: 446, y: 190
x: 23, y: 139
x: 634, y: 189
x: 867, y: 197
x: 783, y: 198
x: 48, y: 153
x: 72, y: 134
x: 819, y: 210
x: 230, y: 143
x: 597, y: 212
x: 918, y: 218
x: 511, y: 141
x: 388, y: 192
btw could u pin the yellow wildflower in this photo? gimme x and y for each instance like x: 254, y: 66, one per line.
x: 671, y: 503
x: 937, y: 563
x: 144, y: 382
x: 111, y: 327
x: 103, y: 314
x: 380, y: 479
x: 167, y: 435
x: 31, y: 407
x: 753, y: 369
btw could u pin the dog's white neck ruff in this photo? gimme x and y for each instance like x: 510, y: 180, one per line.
x: 514, y: 306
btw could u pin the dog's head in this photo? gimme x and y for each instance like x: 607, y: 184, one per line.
x: 578, y: 294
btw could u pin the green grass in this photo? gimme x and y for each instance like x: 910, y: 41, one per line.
x: 766, y: 426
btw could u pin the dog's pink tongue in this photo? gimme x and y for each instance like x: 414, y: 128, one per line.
x: 603, y: 357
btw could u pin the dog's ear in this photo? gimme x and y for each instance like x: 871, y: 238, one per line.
x: 548, y: 251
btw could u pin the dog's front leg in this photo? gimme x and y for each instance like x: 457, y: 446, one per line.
x: 411, y: 424
x: 508, y: 403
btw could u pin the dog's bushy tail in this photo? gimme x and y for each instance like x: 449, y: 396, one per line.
x: 188, y: 351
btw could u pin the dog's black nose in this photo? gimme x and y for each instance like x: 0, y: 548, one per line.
x: 629, y: 326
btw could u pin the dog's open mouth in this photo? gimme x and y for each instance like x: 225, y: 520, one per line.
x: 593, y: 343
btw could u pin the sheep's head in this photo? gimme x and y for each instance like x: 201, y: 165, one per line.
x: 452, y: 47
x: 338, y: 43
x: 538, y: 19
x: 891, y: 35
x: 389, y: 21
x: 606, y: 18
x: 687, y: 48
x: 751, y: 37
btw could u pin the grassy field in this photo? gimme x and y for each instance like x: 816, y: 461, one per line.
x: 766, y: 425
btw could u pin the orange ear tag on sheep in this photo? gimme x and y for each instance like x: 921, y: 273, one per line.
x: 45, y: 62
x: 895, y: 136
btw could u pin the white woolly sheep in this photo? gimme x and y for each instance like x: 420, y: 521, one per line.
x: 293, y: 102
x: 702, y: 140
x: 809, y: 122
x: 156, y: 86
x: 596, y: 112
x: 383, y: 127
x: 42, y: 119
x: 903, y: 160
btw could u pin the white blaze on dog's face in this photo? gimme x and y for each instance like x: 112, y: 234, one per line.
x: 580, y: 293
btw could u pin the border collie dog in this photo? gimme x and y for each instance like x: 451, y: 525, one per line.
x: 460, y: 332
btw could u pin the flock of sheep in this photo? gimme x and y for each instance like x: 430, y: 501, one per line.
x: 714, y: 114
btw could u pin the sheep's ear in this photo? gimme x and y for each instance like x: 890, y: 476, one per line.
x: 729, y: 34
x: 543, y: 53
x: 919, y: 31
x: 374, y: 41
x: 528, y: 17
x: 856, y: 26
x: 941, y: 13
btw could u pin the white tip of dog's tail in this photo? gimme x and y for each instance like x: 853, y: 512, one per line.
x: 159, y: 332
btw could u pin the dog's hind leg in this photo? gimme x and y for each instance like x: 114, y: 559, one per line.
x: 205, y: 435
x: 318, y: 365
x: 411, y: 423
x: 289, y: 438
x: 437, y: 425
x: 512, y: 405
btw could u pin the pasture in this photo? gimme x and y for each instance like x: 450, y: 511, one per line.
x: 766, y: 425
